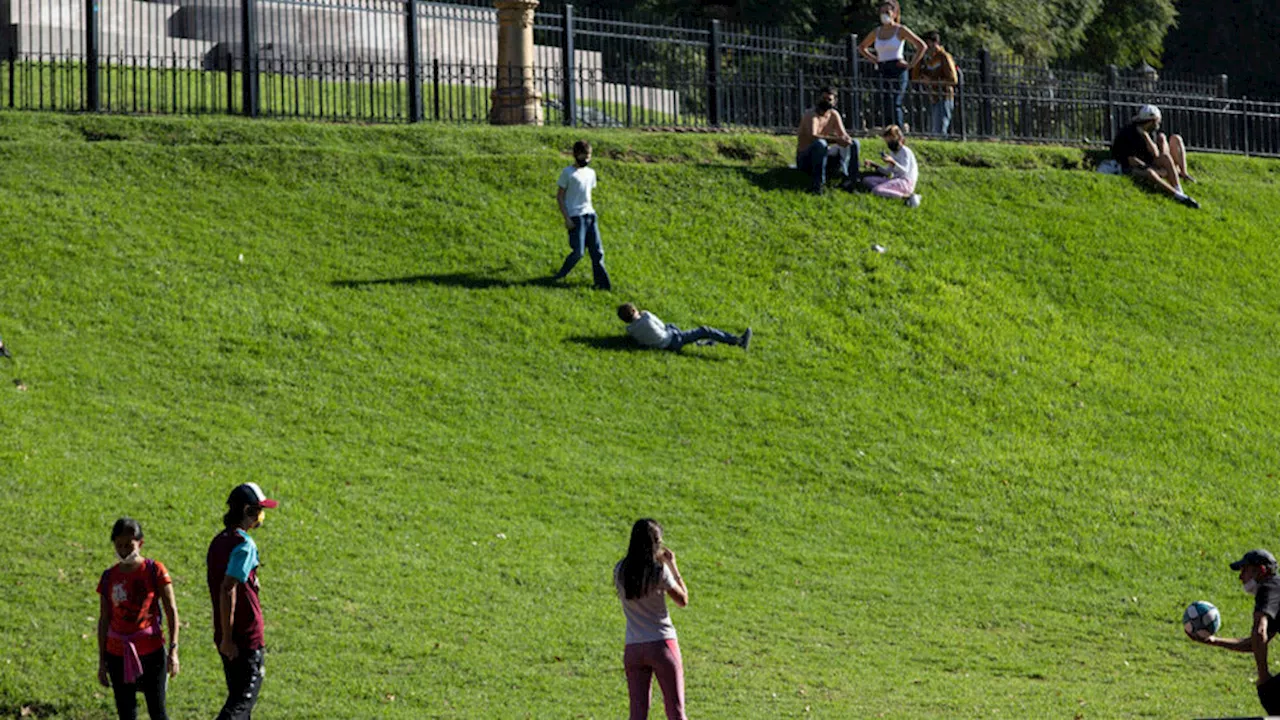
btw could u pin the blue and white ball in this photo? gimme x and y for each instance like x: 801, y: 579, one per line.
x: 1201, y: 615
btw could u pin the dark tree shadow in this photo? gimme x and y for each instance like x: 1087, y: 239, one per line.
x: 622, y: 343
x: 472, y: 281
x: 777, y: 178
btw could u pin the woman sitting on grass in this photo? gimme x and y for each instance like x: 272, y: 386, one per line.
x: 643, y: 578
x: 897, y: 177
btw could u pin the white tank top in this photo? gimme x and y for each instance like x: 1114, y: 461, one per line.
x: 891, y: 49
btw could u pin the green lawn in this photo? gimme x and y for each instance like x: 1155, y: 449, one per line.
x: 978, y: 475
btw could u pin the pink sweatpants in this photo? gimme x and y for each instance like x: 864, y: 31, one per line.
x: 888, y: 187
x: 642, y: 661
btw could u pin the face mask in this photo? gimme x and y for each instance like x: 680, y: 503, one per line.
x: 893, y: 146
x: 583, y: 162
x: 824, y: 105
x: 1251, y: 587
x: 131, y: 558
x: 886, y: 19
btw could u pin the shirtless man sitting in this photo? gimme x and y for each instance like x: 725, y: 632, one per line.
x: 821, y: 138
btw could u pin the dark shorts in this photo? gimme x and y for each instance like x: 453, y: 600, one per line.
x: 1269, y: 694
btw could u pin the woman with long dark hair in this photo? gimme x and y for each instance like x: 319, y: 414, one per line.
x: 644, y: 578
x: 890, y: 39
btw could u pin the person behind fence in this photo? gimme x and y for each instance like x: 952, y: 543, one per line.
x: 937, y: 73
x: 897, y: 177
x: 574, y: 198
x: 1144, y: 153
x: 645, y: 328
x: 890, y: 40
x: 821, y: 140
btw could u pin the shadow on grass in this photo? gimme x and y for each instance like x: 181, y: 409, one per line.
x: 622, y: 343
x: 776, y: 178
x: 472, y: 281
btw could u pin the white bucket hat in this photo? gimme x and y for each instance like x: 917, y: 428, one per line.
x: 1147, y: 113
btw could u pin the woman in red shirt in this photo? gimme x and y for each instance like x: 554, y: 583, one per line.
x: 131, y: 647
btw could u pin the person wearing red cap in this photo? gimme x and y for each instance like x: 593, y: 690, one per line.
x: 1258, y: 578
x: 232, y: 573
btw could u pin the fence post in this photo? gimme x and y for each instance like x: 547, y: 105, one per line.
x: 1113, y: 79
x: 435, y: 88
x: 851, y: 57
x: 229, y: 58
x: 800, y: 104
x: 91, y: 55
x: 984, y: 85
x: 959, y: 113
x: 628, y: 81
x: 249, y: 57
x: 1222, y: 87
x: 411, y: 50
x: 1244, y: 111
x: 713, y: 75
x: 568, y: 101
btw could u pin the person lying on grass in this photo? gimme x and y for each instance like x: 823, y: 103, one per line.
x: 1150, y: 156
x: 897, y: 177
x: 645, y: 328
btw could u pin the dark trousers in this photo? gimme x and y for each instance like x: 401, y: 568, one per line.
x: 894, y: 93
x: 585, y: 237
x: 153, y: 683
x: 244, y: 680
x: 1269, y: 694
x: 817, y: 159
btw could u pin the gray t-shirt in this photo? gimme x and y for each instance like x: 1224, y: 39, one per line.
x: 647, y: 618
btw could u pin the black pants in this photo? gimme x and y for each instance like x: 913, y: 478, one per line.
x: 1269, y: 694
x: 244, y: 680
x: 153, y: 683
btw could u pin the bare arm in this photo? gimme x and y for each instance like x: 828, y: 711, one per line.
x: 564, y: 211
x: 679, y: 593
x: 916, y: 41
x: 1259, y: 642
x: 226, y: 615
x: 171, y: 612
x: 104, y: 626
x: 842, y: 137
x: 865, y: 44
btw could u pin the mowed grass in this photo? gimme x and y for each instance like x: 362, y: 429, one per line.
x: 978, y: 475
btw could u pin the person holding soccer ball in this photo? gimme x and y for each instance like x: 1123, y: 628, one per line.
x: 644, y: 579
x: 1258, y: 577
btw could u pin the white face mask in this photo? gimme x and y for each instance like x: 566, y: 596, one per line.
x: 886, y: 19
x: 1251, y: 587
x: 131, y: 558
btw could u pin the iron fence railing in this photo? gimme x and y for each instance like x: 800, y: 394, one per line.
x: 413, y: 60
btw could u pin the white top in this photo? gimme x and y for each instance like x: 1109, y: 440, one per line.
x: 891, y: 49
x: 577, y: 183
x: 906, y: 168
x: 647, y: 617
x: 649, y: 331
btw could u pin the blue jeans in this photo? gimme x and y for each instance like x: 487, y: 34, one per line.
x: 895, y: 79
x: 585, y: 237
x: 680, y: 338
x: 940, y: 116
x: 815, y: 158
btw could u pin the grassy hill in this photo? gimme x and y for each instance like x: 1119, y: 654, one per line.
x: 978, y: 475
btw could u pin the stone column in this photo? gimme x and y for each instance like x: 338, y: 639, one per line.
x: 516, y: 101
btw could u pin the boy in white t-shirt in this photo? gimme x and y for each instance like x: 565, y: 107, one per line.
x: 645, y: 328
x: 574, y: 199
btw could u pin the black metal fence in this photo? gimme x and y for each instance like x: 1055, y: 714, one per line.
x: 412, y: 60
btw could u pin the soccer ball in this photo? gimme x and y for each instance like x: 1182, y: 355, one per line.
x: 1201, y: 615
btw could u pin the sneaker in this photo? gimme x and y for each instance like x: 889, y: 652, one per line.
x: 913, y: 201
x: 745, y: 340
x: 4, y: 351
x: 1189, y: 202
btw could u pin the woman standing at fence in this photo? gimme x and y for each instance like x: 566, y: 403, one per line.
x: 643, y: 580
x: 890, y: 40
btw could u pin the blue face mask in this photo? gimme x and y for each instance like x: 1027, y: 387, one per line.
x: 894, y: 146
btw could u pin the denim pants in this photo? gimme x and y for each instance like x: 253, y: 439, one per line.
x: 894, y: 93
x: 244, y: 681
x: 940, y: 116
x: 814, y: 160
x: 680, y: 338
x: 152, y: 683
x: 585, y: 237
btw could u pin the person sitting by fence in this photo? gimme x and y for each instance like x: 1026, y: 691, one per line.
x: 890, y: 40
x: 937, y: 72
x: 645, y: 328
x: 822, y: 139
x: 1144, y: 153
x: 897, y: 177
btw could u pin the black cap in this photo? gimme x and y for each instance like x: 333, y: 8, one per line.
x: 1256, y: 557
x: 250, y: 494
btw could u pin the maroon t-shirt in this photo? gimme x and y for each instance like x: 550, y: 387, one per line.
x: 246, y: 626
